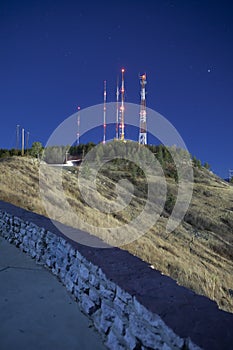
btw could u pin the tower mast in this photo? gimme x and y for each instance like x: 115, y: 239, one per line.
x: 104, y: 125
x: 78, y: 123
x: 143, y: 131
x: 117, y: 110
x: 122, y: 136
x: 22, y: 151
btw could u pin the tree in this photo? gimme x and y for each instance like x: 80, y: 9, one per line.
x: 4, y: 153
x: 55, y: 154
x: 170, y: 202
x: 100, y: 152
x: 159, y: 154
x: 85, y: 170
x: 36, y: 150
x: 196, y: 162
x: 206, y: 165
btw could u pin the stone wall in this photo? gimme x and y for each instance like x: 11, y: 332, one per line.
x: 121, y: 318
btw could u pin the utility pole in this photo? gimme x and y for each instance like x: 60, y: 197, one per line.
x: 17, y: 136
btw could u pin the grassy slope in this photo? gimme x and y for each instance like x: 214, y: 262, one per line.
x: 198, y: 254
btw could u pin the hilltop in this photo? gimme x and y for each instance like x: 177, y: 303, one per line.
x: 198, y: 254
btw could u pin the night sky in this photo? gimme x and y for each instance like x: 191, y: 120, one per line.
x: 55, y: 56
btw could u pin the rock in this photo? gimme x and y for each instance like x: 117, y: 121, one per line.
x: 69, y: 284
x: 119, y: 324
x: 84, y: 272
x: 131, y: 341
x: 121, y: 294
x: 83, y: 285
x: 113, y: 342
x: 106, y: 293
x: 87, y: 305
x: 94, y: 280
x: 108, y: 310
x: 94, y: 295
x: 140, y: 330
x: 120, y: 306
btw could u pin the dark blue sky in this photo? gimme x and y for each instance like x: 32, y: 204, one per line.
x: 56, y: 54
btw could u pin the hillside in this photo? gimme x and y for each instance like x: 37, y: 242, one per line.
x: 198, y: 254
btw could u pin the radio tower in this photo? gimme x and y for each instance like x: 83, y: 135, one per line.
x: 78, y: 122
x: 105, y: 98
x: 117, y: 110
x: 122, y: 108
x: 143, y: 132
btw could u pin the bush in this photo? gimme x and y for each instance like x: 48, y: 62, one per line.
x: 170, y: 202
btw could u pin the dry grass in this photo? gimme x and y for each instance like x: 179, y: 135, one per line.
x: 198, y: 254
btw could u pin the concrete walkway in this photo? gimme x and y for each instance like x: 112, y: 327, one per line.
x: 36, y: 311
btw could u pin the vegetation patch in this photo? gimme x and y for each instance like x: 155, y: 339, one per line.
x: 198, y: 254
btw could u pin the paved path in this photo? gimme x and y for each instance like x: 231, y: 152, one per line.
x: 36, y: 311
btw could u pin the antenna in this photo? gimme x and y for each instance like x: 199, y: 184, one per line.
x: 78, y: 123
x: 17, y: 137
x: 22, y: 153
x: 122, y: 108
x: 143, y: 131
x: 104, y: 125
x: 117, y: 109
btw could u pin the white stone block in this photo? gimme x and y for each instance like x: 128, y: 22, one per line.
x: 22, y: 231
x: 83, y: 286
x: 108, y: 310
x: 87, y: 305
x: 121, y: 294
x: 84, y: 272
x: 120, y: 305
x: 104, y: 324
x: 130, y: 340
x: 94, y: 295
x: 106, y: 293
x: 79, y: 256
x: 113, y: 342
x: 119, y: 324
x: 69, y: 284
x: 141, y: 330
x: 94, y: 280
